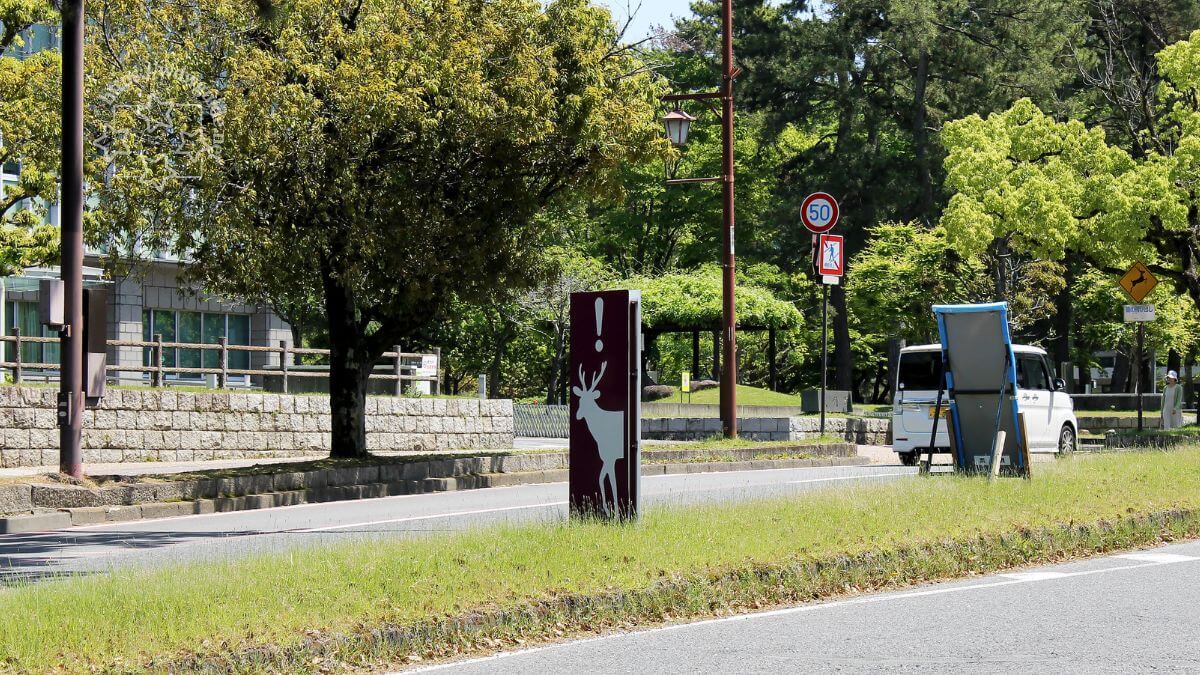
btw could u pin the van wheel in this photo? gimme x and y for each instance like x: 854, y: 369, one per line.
x: 1066, y: 440
x: 908, y: 458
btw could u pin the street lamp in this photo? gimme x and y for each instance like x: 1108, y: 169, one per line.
x: 678, y: 124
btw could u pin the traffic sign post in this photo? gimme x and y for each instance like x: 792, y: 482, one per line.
x: 819, y: 213
x: 831, y: 265
x: 1138, y: 283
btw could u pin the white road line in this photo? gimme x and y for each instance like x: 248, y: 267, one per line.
x: 1158, y: 557
x: 858, y: 477
x: 433, y: 516
x: 1013, y: 579
x: 1035, y: 576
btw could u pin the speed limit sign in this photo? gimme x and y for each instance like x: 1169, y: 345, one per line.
x: 819, y: 213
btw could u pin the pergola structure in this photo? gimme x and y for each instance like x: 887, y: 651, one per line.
x: 691, y: 303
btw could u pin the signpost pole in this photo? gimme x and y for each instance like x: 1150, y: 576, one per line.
x: 824, y: 349
x: 70, y: 396
x: 1140, y: 344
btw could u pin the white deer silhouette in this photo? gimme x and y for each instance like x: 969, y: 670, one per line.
x: 608, y: 430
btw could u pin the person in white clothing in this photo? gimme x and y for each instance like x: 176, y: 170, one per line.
x: 1172, y: 407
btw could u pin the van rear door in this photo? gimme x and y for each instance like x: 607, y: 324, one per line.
x: 918, y: 382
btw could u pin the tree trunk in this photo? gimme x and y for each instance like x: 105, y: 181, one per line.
x: 921, y: 137
x: 716, y: 356
x: 1189, y: 384
x: 1060, y: 350
x: 350, y: 364
x: 843, y: 359
x: 556, y: 365
x: 1120, y: 375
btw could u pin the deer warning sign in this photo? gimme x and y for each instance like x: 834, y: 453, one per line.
x: 1138, y: 282
x: 606, y: 411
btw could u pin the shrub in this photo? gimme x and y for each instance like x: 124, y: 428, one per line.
x: 657, y: 392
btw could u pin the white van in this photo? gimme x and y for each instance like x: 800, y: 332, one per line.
x: 1049, y: 412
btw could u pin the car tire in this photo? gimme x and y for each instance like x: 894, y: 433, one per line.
x: 908, y: 458
x: 1066, y: 440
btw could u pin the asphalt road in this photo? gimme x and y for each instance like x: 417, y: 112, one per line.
x: 225, y: 535
x: 1135, y: 612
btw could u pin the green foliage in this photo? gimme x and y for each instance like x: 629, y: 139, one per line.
x: 1098, y: 302
x: 692, y: 302
x: 29, y: 129
x: 380, y: 159
x: 1057, y: 187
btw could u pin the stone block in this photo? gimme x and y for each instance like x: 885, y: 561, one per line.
x: 288, y: 482
x: 35, y: 522
x: 168, y: 510
x: 89, y: 515
x: 64, y: 496
x: 440, y: 484
x: 227, y: 504
x: 16, y: 498
x: 122, y: 514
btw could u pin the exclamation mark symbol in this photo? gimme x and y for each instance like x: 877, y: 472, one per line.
x: 599, y: 321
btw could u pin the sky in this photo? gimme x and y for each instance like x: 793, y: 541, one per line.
x: 652, y: 12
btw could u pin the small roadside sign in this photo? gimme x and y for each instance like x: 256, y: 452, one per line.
x: 428, y: 367
x: 831, y: 262
x: 1139, y: 313
x: 819, y: 213
x: 1138, y: 282
x: 686, y: 386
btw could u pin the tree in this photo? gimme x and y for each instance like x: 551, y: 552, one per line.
x: 1052, y: 187
x: 29, y: 136
x: 391, y: 157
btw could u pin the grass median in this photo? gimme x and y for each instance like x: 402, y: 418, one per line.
x: 371, y: 603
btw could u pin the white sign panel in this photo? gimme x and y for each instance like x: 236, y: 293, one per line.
x: 429, y: 366
x: 1139, y: 313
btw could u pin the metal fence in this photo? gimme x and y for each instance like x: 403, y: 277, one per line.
x: 541, y: 421
x: 159, y: 374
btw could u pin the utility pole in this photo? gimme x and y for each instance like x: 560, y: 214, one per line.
x: 677, y: 129
x: 70, y: 396
x: 729, y: 285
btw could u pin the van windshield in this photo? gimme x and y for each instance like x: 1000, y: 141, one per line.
x: 919, y: 371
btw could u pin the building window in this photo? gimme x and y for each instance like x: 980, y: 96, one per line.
x: 196, y: 328
x: 24, y: 315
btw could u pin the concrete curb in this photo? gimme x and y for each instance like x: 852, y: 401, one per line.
x: 75, y: 516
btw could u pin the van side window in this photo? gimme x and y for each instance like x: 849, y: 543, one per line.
x: 1031, y: 373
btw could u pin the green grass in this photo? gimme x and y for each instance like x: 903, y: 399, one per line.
x: 123, y: 619
x: 746, y: 395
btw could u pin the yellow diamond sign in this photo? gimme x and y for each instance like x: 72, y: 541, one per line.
x: 1138, y: 282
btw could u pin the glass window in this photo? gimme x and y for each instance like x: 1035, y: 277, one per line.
x: 919, y: 371
x: 147, y: 329
x: 164, y: 324
x: 27, y: 317
x: 1031, y: 373
x: 189, y: 331
x: 239, y: 334
x: 214, y: 330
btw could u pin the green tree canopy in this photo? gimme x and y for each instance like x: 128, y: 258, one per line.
x: 1052, y: 187
x: 691, y: 301
x: 382, y: 158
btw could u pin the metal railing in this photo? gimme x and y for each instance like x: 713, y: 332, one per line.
x: 541, y: 421
x: 159, y: 374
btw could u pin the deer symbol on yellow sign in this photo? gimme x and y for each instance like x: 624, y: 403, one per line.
x: 1138, y: 282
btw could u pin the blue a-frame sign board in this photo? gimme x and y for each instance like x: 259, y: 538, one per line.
x: 981, y: 380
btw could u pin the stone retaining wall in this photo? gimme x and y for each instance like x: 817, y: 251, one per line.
x: 168, y: 426
x: 854, y: 430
